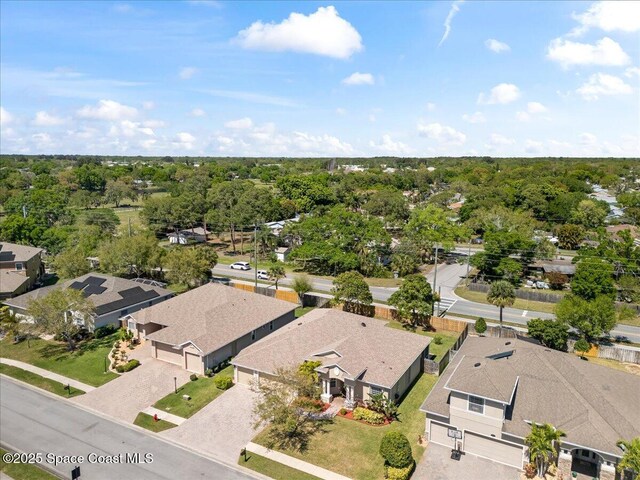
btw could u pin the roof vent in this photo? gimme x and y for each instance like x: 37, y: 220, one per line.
x: 363, y: 324
x: 507, y: 343
x: 300, y: 324
x: 477, y: 364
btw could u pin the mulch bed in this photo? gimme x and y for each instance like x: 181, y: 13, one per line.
x: 349, y: 415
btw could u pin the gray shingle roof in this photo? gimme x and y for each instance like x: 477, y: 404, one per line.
x: 485, y: 378
x: 107, y: 293
x: 383, y: 354
x: 11, y: 252
x: 11, y: 281
x: 595, y: 405
x: 211, y: 316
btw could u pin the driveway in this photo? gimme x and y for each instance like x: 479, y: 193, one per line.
x: 222, y: 428
x: 436, y: 465
x: 132, y: 392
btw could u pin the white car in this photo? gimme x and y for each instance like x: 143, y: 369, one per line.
x: 263, y: 275
x: 240, y: 266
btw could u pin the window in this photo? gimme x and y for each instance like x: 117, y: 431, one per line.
x: 131, y: 324
x: 271, y: 325
x: 19, y: 266
x: 375, y: 391
x: 253, y: 334
x: 332, y: 382
x: 476, y: 404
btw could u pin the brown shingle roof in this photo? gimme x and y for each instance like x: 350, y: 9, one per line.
x: 596, y: 406
x: 383, y: 354
x: 12, y: 252
x: 11, y: 281
x: 211, y: 316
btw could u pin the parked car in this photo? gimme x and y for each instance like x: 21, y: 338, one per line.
x: 543, y: 285
x: 263, y: 275
x: 240, y: 266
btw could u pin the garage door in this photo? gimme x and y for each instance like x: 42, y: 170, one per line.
x: 168, y: 354
x: 493, y: 449
x: 245, y: 376
x: 194, y: 362
x: 438, y: 434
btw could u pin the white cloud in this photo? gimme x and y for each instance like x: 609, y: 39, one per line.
x: 477, y: 117
x: 5, y: 117
x: 107, y: 110
x: 632, y: 72
x: 522, y: 116
x: 441, y: 133
x: 187, y: 72
x: 321, y: 33
x: 341, y: 111
x: 148, y: 105
x: 533, y: 146
x: 358, y: 78
x: 496, y: 46
x: 604, y: 52
x: 455, y: 8
x: 198, y: 112
x: 154, y: 123
x: 588, y: 139
x: 388, y: 146
x: 240, y: 124
x: 536, y: 107
x: 497, y: 141
x: 372, y: 117
x: 603, y: 84
x: 184, y: 140
x: 609, y: 16
x: 43, y: 119
x: 252, y: 97
x: 431, y: 106
x: 500, y: 94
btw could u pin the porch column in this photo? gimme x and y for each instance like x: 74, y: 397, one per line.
x: 564, y: 462
x: 326, y: 391
x: 350, y: 401
x: 606, y: 472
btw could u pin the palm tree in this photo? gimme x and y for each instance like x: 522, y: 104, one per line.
x: 276, y: 271
x: 631, y: 458
x: 501, y: 294
x: 543, y: 442
x: 301, y: 284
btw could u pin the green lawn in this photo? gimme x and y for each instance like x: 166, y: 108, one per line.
x: 85, y: 364
x: 273, y: 469
x: 351, y: 448
x: 520, y: 303
x: 24, y: 471
x: 146, y: 421
x: 38, y: 381
x: 448, y: 338
x: 300, y: 311
x: 202, y: 392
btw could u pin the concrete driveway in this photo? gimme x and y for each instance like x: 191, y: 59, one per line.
x: 436, y: 464
x: 132, y: 392
x: 222, y: 428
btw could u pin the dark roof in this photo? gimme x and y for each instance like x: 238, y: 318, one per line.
x: 11, y: 252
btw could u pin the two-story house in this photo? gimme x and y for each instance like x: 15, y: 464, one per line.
x: 494, y: 389
x: 20, y: 268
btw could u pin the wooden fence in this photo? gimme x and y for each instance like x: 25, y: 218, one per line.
x: 436, y: 368
x: 621, y: 354
x: 286, y: 295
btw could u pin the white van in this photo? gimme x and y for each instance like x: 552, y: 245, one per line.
x: 263, y: 275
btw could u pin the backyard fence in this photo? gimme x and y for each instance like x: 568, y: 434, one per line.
x: 612, y: 352
x: 437, y: 367
x: 286, y: 295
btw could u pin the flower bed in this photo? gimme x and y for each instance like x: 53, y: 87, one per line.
x: 366, y: 416
x: 311, y: 404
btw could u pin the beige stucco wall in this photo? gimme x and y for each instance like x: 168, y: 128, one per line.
x: 400, y: 388
x: 261, y: 332
x: 489, y: 423
x: 218, y: 356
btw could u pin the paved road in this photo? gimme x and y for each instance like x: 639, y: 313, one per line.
x: 35, y: 422
x: 448, y: 277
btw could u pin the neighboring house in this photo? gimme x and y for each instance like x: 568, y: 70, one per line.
x: 277, y: 226
x: 282, y: 253
x: 613, y: 230
x: 191, y: 235
x: 360, y: 356
x: 201, y: 328
x: 113, y: 297
x: 566, y: 267
x: 20, y: 268
x: 495, y: 388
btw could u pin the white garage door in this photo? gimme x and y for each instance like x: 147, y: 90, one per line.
x: 169, y: 354
x: 493, y: 449
x: 438, y: 434
x: 194, y: 362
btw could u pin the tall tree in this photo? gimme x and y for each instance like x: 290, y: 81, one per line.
x: 301, y: 285
x: 592, y: 318
x: 414, y: 299
x: 276, y: 272
x: 62, y: 312
x: 138, y: 255
x: 543, y: 442
x: 431, y: 226
x: 71, y: 263
x: 593, y: 277
x: 190, y: 266
x: 351, y: 289
x: 501, y: 294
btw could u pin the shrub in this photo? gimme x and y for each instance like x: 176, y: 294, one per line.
x: 343, y: 411
x: 530, y: 470
x: 396, y: 450
x: 104, y: 331
x: 309, y: 404
x: 193, y: 377
x: 369, y: 416
x: 437, y: 339
x: 480, y: 326
x: 208, y: 372
x: 223, y: 382
x: 130, y: 365
x: 394, y: 473
x: 117, y: 344
x: 582, y: 347
x: 381, y: 404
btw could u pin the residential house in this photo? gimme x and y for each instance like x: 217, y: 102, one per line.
x: 495, y: 388
x: 544, y: 267
x: 113, y: 297
x: 282, y: 253
x: 614, y: 230
x: 277, y: 226
x: 201, y: 328
x: 359, y: 355
x: 190, y: 235
x: 20, y: 268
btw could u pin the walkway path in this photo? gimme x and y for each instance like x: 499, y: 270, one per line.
x: 162, y: 415
x: 47, y: 374
x: 294, y: 463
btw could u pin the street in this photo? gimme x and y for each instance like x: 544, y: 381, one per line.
x: 448, y: 277
x: 34, y: 422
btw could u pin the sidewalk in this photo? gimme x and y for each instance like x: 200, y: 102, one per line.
x: 47, y: 374
x: 162, y: 415
x: 294, y: 463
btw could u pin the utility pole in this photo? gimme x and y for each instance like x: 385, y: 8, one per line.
x: 435, y: 274
x: 24, y: 211
x: 255, y: 253
x: 129, y: 226
x: 468, y: 260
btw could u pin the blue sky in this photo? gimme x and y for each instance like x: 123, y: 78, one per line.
x: 320, y: 79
